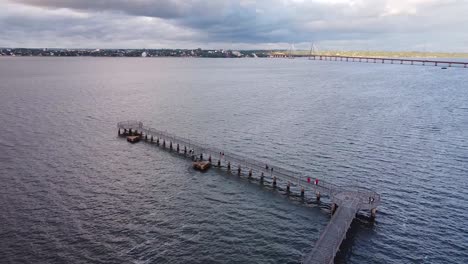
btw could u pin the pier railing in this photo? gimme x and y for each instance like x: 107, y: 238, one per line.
x: 297, y: 179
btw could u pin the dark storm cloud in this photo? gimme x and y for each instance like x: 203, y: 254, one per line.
x: 155, y: 8
x: 260, y: 22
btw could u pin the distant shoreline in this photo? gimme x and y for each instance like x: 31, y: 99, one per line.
x: 219, y: 53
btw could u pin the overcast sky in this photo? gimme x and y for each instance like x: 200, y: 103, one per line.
x: 426, y: 25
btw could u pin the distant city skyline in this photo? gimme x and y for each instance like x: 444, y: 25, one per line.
x: 393, y: 25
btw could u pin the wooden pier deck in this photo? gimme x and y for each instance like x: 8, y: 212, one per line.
x: 346, y: 201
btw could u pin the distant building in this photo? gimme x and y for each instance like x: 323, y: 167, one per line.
x: 278, y: 55
x: 236, y: 53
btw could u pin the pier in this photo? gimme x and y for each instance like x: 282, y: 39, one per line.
x: 346, y: 201
x: 421, y: 62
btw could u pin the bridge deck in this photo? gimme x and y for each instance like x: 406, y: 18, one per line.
x: 390, y: 60
x: 349, y: 199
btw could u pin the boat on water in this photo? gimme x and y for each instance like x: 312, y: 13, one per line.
x: 133, y: 139
x: 201, y: 165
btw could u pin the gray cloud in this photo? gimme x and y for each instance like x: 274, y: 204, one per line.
x: 365, y: 24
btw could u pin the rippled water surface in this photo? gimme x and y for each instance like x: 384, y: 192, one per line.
x: 71, y: 191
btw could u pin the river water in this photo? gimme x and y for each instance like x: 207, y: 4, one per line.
x: 71, y: 191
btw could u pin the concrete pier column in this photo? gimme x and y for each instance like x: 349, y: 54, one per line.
x: 157, y: 141
x: 185, y: 150
x: 164, y: 143
x: 373, y: 213
x: 239, y: 170
x: 178, y: 147
x: 262, y: 177
x: 201, y: 156
x: 288, y: 188
x: 219, y: 163
x: 209, y: 158
x: 250, y: 173
x: 274, y: 181
x: 119, y: 132
x: 146, y: 137
x: 152, y: 139
x: 229, y: 166
x: 302, y: 192
x: 170, y: 145
x: 130, y: 132
x: 317, y: 194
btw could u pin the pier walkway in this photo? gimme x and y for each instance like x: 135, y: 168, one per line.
x: 346, y: 201
x: 422, y: 62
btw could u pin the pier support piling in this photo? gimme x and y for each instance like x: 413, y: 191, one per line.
x: 302, y: 192
x: 274, y: 181
x: 219, y: 163
x: 229, y: 166
x: 239, y: 170
x: 373, y: 213
x: 170, y: 145
x: 288, y: 188
x: 262, y: 177
x: 178, y: 148
x: 250, y: 173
